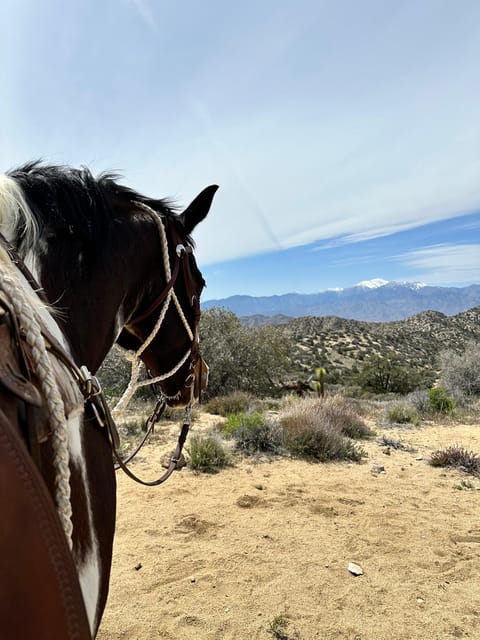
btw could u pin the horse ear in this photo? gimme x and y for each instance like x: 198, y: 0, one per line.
x: 197, y: 210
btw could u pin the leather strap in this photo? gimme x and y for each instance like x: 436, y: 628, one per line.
x: 40, y: 597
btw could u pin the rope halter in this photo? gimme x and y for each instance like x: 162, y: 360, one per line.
x: 164, y: 300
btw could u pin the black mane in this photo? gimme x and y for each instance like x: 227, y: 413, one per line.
x: 65, y: 200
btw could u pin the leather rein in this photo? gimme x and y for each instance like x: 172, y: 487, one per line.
x: 90, y: 386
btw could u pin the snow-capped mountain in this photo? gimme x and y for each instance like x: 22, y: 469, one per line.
x: 372, y: 284
x: 374, y: 300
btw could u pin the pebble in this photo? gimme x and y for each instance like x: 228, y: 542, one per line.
x: 355, y: 569
x: 377, y: 468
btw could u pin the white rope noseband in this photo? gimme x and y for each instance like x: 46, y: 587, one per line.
x: 134, y: 384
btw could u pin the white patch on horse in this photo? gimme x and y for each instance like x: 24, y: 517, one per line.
x: 119, y: 323
x: 89, y: 577
x: 88, y: 565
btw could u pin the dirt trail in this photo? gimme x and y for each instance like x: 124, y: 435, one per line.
x: 220, y: 556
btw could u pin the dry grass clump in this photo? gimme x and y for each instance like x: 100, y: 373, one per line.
x: 458, y: 457
x: 207, y: 454
x: 402, y: 413
x: 236, y: 402
x: 321, y: 429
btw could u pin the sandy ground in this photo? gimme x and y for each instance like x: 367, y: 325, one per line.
x: 222, y: 556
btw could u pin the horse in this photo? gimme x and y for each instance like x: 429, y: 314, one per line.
x: 114, y: 266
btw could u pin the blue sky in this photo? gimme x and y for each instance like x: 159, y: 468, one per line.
x: 345, y: 135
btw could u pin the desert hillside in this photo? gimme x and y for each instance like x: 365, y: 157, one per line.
x: 336, y: 343
x: 261, y: 549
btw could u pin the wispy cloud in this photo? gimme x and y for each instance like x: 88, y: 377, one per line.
x: 445, y: 263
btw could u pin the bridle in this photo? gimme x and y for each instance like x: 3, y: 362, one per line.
x: 162, y: 303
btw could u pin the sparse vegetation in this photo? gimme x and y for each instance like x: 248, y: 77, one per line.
x: 458, y: 457
x: 236, y: 402
x: 464, y: 484
x: 393, y: 443
x: 401, y: 413
x: 316, y: 429
x: 207, y: 454
x: 460, y: 373
x: 278, y: 628
x: 252, y: 433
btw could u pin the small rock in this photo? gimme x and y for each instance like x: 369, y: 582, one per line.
x: 138, y: 566
x: 377, y: 468
x: 260, y: 487
x: 387, y: 451
x: 418, y: 458
x: 193, y: 579
x: 355, y: 569
x: 166, y: 459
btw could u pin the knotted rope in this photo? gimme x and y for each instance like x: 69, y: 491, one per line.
x: 24, y: 310
x: 134, y: 358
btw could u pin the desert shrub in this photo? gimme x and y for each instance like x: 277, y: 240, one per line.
x: 420, y: 400
x: 399, y: 413
x: 385, y: 373
x: 278, y: 628
x: 341, y: 413
x: 393, y: 443
x: 251, y: 359
x: 236, y: 402
x: 207, y: 454
x: 315, y: 429
x: 252, y: 432
x: 440, y: 401
x: 114, y: 373
x: 456, y: 456
x: 236, y: 421
x: 263, y: 438
x: 460, y: 373
x: 134, y: 426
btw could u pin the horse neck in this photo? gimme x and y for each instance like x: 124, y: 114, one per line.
x: 93, y: 309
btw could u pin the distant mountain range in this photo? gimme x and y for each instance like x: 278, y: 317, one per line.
x: 371, y: 301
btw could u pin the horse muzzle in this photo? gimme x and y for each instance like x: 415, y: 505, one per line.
x: 193, y: 387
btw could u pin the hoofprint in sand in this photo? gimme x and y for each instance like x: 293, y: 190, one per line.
x: 222, y: 556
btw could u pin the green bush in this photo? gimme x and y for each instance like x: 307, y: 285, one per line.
x: 251, y: 359
x: 236, y: 421
x: 252, y: 432
x: 388, y: 373
x: 207, y: 454
x: 440, y: 401
x: 402, y: 414
x: 315, y: 429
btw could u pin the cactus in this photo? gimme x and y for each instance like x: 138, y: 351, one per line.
x: 318, y: 383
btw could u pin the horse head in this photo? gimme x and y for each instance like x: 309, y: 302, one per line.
x: 163, y: 328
